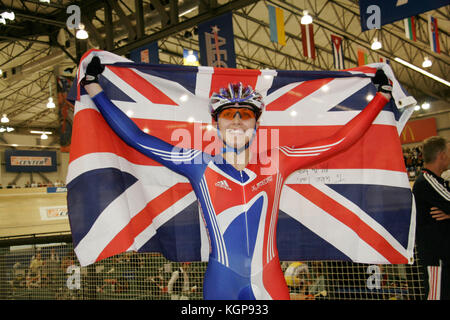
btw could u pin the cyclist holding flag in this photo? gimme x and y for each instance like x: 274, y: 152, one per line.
x: 238, y: 192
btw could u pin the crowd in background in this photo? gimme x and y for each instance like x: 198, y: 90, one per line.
x: 413, y: 161
x: 28, y: 184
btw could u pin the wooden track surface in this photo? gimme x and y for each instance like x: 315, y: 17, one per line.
x: 28, y: 211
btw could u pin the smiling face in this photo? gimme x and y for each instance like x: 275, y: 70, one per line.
x: 237, y: 125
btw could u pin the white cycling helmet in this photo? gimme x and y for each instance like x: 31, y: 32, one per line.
x: 236, y: 93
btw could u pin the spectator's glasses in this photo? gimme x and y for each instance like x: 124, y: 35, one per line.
x: 244, y: 113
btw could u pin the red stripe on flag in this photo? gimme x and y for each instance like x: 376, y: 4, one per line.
x: 364, y: 154
x: 222, y: 77
x: 351, y: 220
x: 363, y: 69
x: 91, y: 134
x: 142, y: 85
x: 436, y: 35
x: 413, y: 27
x: 89, y: 123
x: 312, y: 45
x: 125, y: 238
x: 309, y: 49
x: 297, y: 94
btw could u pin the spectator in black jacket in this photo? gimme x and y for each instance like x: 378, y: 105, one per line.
x: 432, y: 196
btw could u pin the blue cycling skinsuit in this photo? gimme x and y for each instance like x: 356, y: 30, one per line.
x: 240, y: 207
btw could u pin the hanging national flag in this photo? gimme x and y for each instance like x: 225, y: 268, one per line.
x: 363, y: 56
x: 146, y: 54
x: 356, y: 205
x: 383, y: 59
x: 309, y: 49
x: 276, y: 21
x: 216, y: 42
x: 410, y: 28
x: 338, y: 52
x: 434, y: 34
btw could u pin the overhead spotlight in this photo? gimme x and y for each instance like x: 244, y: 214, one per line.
x: 187, y: 34
x: 50, y: 103
x: 376, y: 44
x: 191, y: 58
x: 425, y: 106
x: 306, y: 19
x: 46, y: 1
x: 4, y: 119
x: 426, y: 63
x: 417, y: 108
x: 44, y: 136
x: 8, y: 15
x: 81, y: 33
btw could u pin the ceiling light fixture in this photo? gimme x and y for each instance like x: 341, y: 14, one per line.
x: 306, y: 19
x: 4, y: 118
x: 426, y: 63
x: 425, y: 106
x: 376, y: 45
x: 81, y: 33
x: 50, y: 103
x: 8, y: 15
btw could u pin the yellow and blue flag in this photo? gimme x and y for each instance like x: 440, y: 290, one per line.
x: 276, y: 19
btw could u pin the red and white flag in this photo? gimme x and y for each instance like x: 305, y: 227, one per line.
x: 309, y: 49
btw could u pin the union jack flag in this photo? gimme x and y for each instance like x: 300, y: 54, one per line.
x: 356, y: 206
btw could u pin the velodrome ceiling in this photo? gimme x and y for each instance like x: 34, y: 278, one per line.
x: 37, y: 45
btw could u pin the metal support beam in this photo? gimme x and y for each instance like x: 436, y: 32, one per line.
x: 123, y: 19
x: 140, y: 27
x: 189, y: 23
x: 93, y: 30
x: 165, y: 18
x: 109, y: 42
x: 173, y: 13
x: 49, y: 20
